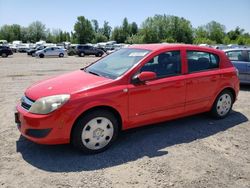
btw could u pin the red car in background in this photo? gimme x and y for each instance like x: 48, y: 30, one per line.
x: 135, y: 86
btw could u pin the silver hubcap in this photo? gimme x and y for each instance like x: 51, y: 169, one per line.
x: 97, y: 133
x: 224, y: 104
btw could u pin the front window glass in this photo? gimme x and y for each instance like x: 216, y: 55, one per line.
x: 117, y: 63
x: 164, y: 64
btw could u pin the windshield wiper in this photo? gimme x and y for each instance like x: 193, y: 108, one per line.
x: 94, y: 73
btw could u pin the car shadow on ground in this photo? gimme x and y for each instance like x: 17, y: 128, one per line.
x: 151, y: 141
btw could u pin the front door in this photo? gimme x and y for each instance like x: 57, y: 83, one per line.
x: 160, y: 98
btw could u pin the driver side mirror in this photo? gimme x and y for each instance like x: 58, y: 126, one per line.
x: 144, y: 76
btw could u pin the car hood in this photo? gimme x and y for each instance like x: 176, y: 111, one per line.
x: 69, y: 83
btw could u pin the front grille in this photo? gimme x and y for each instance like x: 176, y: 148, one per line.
x: 26, y: 102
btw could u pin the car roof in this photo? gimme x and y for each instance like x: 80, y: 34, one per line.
x: 156, y: 47
x: 236, y: 49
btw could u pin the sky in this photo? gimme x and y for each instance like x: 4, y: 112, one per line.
x: 62, y: 14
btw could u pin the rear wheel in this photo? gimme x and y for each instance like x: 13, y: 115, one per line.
x: 41, y: 55
x: 61, y: 55
x: 95, y: 131
x: 4, y: 55
x: 222, y: 105
x: 82, y: 54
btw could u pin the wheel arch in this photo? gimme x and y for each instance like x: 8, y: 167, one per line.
x: 103, y: 107
x: 231, y: 89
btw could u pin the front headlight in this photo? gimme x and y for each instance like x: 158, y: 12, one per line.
x: 48, y: 104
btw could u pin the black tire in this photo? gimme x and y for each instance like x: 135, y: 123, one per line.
x: 41, y: 55
x: 221, y: 111
x: 61, y: 55
x: 82, y: 125
x: 4, y: 55
x: 98, y: 54
x: 81, y: 54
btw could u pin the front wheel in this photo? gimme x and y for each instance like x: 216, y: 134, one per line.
x: 222, y: 105
x: 98, y: 54
x: 82, y: 54
x: 61, y: 55
x: 95, y: 131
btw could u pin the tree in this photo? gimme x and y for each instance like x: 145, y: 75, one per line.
x: 234, y: 34
x: 106, y: 29
x: 201, y: 32
x: 10, y: 32
x: 118, y: 35
x: 84, y: 32
x: 172, y: 28
x: 95, y: 26
x: 216, y: 31
x: 125, y: 32
x: 133, y: 28
x: 99, y: 37
x: 36, y: 31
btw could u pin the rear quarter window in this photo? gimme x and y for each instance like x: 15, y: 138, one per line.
x: 199, y: 61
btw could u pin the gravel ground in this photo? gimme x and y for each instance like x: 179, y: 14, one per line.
x: 190, y: 152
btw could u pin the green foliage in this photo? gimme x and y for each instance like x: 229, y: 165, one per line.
x: 99, y: 37
x: 125, y: 32
x: 84, y: 32
x: 203, y: 41
x: 36, y: 31
x: 10, y: 32
x: 95, y: 25
x: 156, y: 29
x: 106, y: 29
x: 161, y: 27
x: 135, y: 39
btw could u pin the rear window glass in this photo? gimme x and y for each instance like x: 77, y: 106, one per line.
x: 198, y: 61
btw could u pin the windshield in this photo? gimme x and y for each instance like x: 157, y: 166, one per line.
x: 117, y: 63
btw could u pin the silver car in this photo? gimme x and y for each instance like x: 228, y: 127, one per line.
x: 51, y: 51
x: 240, y: 57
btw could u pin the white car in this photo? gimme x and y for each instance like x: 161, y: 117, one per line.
x: 51, y: 51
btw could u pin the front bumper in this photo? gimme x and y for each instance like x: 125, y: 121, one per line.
x: 43, y: 129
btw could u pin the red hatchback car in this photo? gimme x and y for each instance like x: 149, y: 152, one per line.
x: 135, y: 86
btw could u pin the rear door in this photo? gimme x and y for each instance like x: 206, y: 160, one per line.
x: 238, y: 58
x: 202, y: 79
